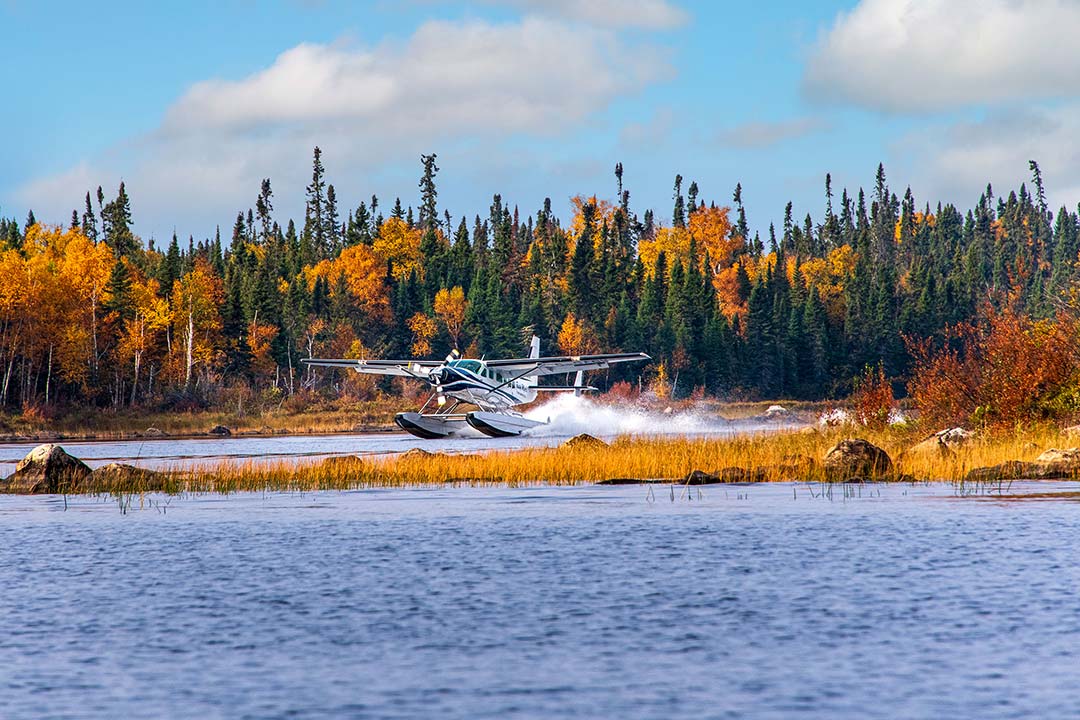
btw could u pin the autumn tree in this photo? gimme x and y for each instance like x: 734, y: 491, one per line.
x: 450, y: 309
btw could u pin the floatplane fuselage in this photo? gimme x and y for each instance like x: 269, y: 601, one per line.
x: 493, y: 387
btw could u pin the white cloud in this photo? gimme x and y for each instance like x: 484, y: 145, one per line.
x: 909, y: 56
x: 646, y: 14
x: 956, y: 162
x: 760, y: 134
x: 448, y: 84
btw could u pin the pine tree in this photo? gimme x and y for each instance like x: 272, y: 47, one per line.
x: 116, y: 222
x: 315, y: 221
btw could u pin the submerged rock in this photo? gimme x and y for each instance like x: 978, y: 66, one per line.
x: 584, y: 440
x: 47, y: 469
x: 857, y: 458
x: 628, y: 481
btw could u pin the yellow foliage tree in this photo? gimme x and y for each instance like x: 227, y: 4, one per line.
x: 137, y: 335
x: 450, y: 308
x: 195, y: 300
x: 399, y: 244
x: 423, y: 329
x: 574, y: 338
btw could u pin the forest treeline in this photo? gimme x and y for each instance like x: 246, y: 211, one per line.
x: 91, y: 314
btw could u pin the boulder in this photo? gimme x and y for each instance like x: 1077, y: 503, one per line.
x: 953, y: 438
x: 932, y: 448
x: 128, y: 477
x: 700, y: 477
x: 47, y: 469
x: 776, y: 412
x: 220, y: 430
x: 584, y: 441
x: 154, y: 432
x: 1008, y: 470
x: 857, y: 458
x: 1069, y: 456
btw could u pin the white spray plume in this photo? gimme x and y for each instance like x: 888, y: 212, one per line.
x: 571, y: 415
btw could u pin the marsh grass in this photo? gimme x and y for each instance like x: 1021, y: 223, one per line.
x: 785, y: 456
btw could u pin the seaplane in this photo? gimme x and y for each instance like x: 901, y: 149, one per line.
x: 493, y: 387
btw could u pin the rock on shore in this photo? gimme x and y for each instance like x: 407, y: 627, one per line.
x: 584, y: 440
x: 1053, y: 464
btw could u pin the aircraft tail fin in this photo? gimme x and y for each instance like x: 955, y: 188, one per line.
x: 534, y: 352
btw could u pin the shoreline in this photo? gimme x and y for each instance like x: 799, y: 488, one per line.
x: 812, y: 455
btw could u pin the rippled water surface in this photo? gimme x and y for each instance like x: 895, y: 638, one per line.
x: 746, y: 601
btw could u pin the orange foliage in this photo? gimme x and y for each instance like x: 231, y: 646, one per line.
x: 605, y: 213
x: 999, y: 371
x: 872, y: 402
x: 365, y: 278
x: 574, y: 339
x: 260, y: 336
x: 423, y: 329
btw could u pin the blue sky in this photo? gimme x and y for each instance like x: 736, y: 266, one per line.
x: 193, y: 103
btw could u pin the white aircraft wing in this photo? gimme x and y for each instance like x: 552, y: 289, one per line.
x: 402, y: 368
x: 535, y: 367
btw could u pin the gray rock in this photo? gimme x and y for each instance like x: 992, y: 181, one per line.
x: 856, y: 457
x: 775, y: 412
x: 1069, y: 456
x: 47, y: 469
x: 220, y: 430
x: 154, y: 432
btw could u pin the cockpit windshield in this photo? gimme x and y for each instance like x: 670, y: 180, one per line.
x: 470, y: 365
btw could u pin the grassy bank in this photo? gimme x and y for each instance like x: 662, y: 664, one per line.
x: 791, y: 456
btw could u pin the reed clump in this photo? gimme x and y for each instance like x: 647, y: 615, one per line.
x: 766, y: 457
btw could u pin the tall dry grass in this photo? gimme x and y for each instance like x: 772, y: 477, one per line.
x: 792, y: 456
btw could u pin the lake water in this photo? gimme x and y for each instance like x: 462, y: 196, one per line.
x: 764, y: 601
